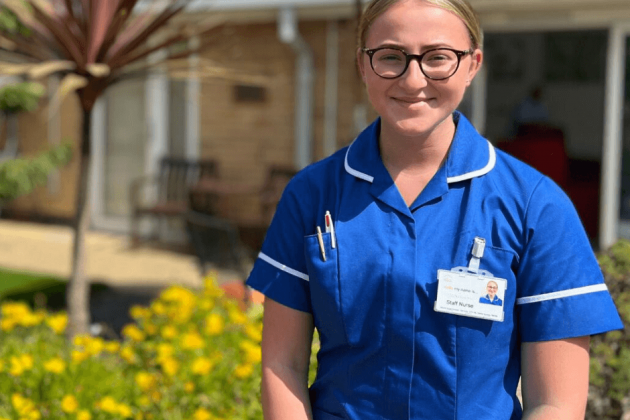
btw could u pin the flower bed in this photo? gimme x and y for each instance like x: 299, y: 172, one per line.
x: 190, y: 355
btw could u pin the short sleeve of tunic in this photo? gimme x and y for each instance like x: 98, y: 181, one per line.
x: 561, y: 291
x: 280, y: 271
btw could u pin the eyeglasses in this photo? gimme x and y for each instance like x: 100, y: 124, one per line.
x: 437, y: 64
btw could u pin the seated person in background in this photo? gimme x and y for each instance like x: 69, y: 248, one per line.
x: 530, y: 111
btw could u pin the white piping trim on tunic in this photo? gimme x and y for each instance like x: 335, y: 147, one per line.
x: 492, y: 159
x: 354, y: 172
x: 562, y: 294
x: 282, y: 267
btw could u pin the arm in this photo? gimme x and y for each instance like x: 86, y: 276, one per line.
x: 555, y: 379
x: 286, y: 350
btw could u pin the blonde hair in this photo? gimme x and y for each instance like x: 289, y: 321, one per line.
x: 461, y: 8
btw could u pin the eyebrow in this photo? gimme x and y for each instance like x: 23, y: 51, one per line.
x: 424, y: 48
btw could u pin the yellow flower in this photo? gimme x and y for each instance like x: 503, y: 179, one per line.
x: 236, y: 315
x: 202, y: 414
x: 27, y: 361
x: 69, y: 404
x: 107, y: 404
x: 211, y: 288
x: 214, y: 324
x: 84, y: 415
x: 78, y: 356
x: 57, y: 322
x: 202, y: 366
x: 133, y: 332
x: 145, y: 381
x: 15, y: 310
x: 128, y: 354
x: 81, y: 340
x: 112, y: 347
x: 150, y: 328
x: 94, y: 346
x: 158, y: 308
x: 31, y: 319
x: 254, y: 332
x: 1, y: 365
x: 252, y: 351
x: 25, y: 407
x: 192, y: 341
x: 168, y: 332
x: 139, y: 312
x: 7, y: 324
x: 124, y: 410
x: 206, y: 304
x: 243, y: 371
x: 189, y: 387
x: 19, y: 364
x: 164, y: 351
x: 55, y: 365
x: 170, y: 366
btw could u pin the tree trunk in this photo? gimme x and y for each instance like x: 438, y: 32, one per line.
x: 78, y: 291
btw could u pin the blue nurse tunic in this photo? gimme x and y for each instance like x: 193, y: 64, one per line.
x: 385, y: 353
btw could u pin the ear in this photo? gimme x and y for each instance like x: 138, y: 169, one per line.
x: 475, y: 65
x: 361, y: 63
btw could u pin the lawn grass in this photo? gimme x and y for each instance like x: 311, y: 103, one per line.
x: 16, y: 285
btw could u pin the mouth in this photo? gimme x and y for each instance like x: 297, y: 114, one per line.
x: 412, y: 101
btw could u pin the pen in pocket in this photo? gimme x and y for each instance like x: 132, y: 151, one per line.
x: 330, y: 227
x: 321, y: 243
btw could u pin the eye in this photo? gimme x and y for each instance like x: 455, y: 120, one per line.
x: 389, y: 56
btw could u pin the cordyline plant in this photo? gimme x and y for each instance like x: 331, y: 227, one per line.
x: 90, y: 44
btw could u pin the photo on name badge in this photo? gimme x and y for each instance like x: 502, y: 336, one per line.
x: 492, y: 293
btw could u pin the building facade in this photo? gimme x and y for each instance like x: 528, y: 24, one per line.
x: 304, y: 100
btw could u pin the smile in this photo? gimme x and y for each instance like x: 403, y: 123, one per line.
x: 411, y: 101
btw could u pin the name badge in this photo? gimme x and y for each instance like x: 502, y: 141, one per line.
x: 476, y: 295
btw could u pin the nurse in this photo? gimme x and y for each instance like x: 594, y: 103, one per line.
x: 418, y: 205
x: 491, y: 297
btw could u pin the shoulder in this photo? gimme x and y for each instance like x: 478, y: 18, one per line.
x: 322, y: 171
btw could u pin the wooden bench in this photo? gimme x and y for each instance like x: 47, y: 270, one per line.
x: 166, y: 195
x: 223, y: 200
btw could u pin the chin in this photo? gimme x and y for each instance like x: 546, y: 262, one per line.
x: 414, y: 126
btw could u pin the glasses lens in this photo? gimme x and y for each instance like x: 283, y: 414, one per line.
x: 388, y: 63
x: 440, y: 64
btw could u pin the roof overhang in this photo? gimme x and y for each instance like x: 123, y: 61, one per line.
x: 494, y: 14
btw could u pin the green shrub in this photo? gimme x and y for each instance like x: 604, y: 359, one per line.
x: 22, y: 175
x: 20, y: 97
x: 609, y: 392
x: 189, y: 356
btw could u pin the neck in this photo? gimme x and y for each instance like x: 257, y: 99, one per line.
x: 413, y: 154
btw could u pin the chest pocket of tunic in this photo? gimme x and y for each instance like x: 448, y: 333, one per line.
x: 502, y: 263
x: 324, y: 286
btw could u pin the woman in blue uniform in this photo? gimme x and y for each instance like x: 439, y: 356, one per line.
x: 491, y: 297
x: 382, y: 248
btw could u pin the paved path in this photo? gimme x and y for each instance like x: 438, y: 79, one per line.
x: 48, y: 249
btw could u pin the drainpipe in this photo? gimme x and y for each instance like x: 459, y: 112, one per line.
x: 304, y: 77
x: 330, y: 93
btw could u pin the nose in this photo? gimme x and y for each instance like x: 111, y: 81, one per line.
x: 413, y: 78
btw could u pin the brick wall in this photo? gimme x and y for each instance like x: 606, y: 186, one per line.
x: 245, y: 137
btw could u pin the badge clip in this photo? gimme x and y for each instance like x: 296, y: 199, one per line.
x: 479, y: 247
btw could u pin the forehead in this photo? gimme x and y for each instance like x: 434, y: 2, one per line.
x: 415, y: 23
